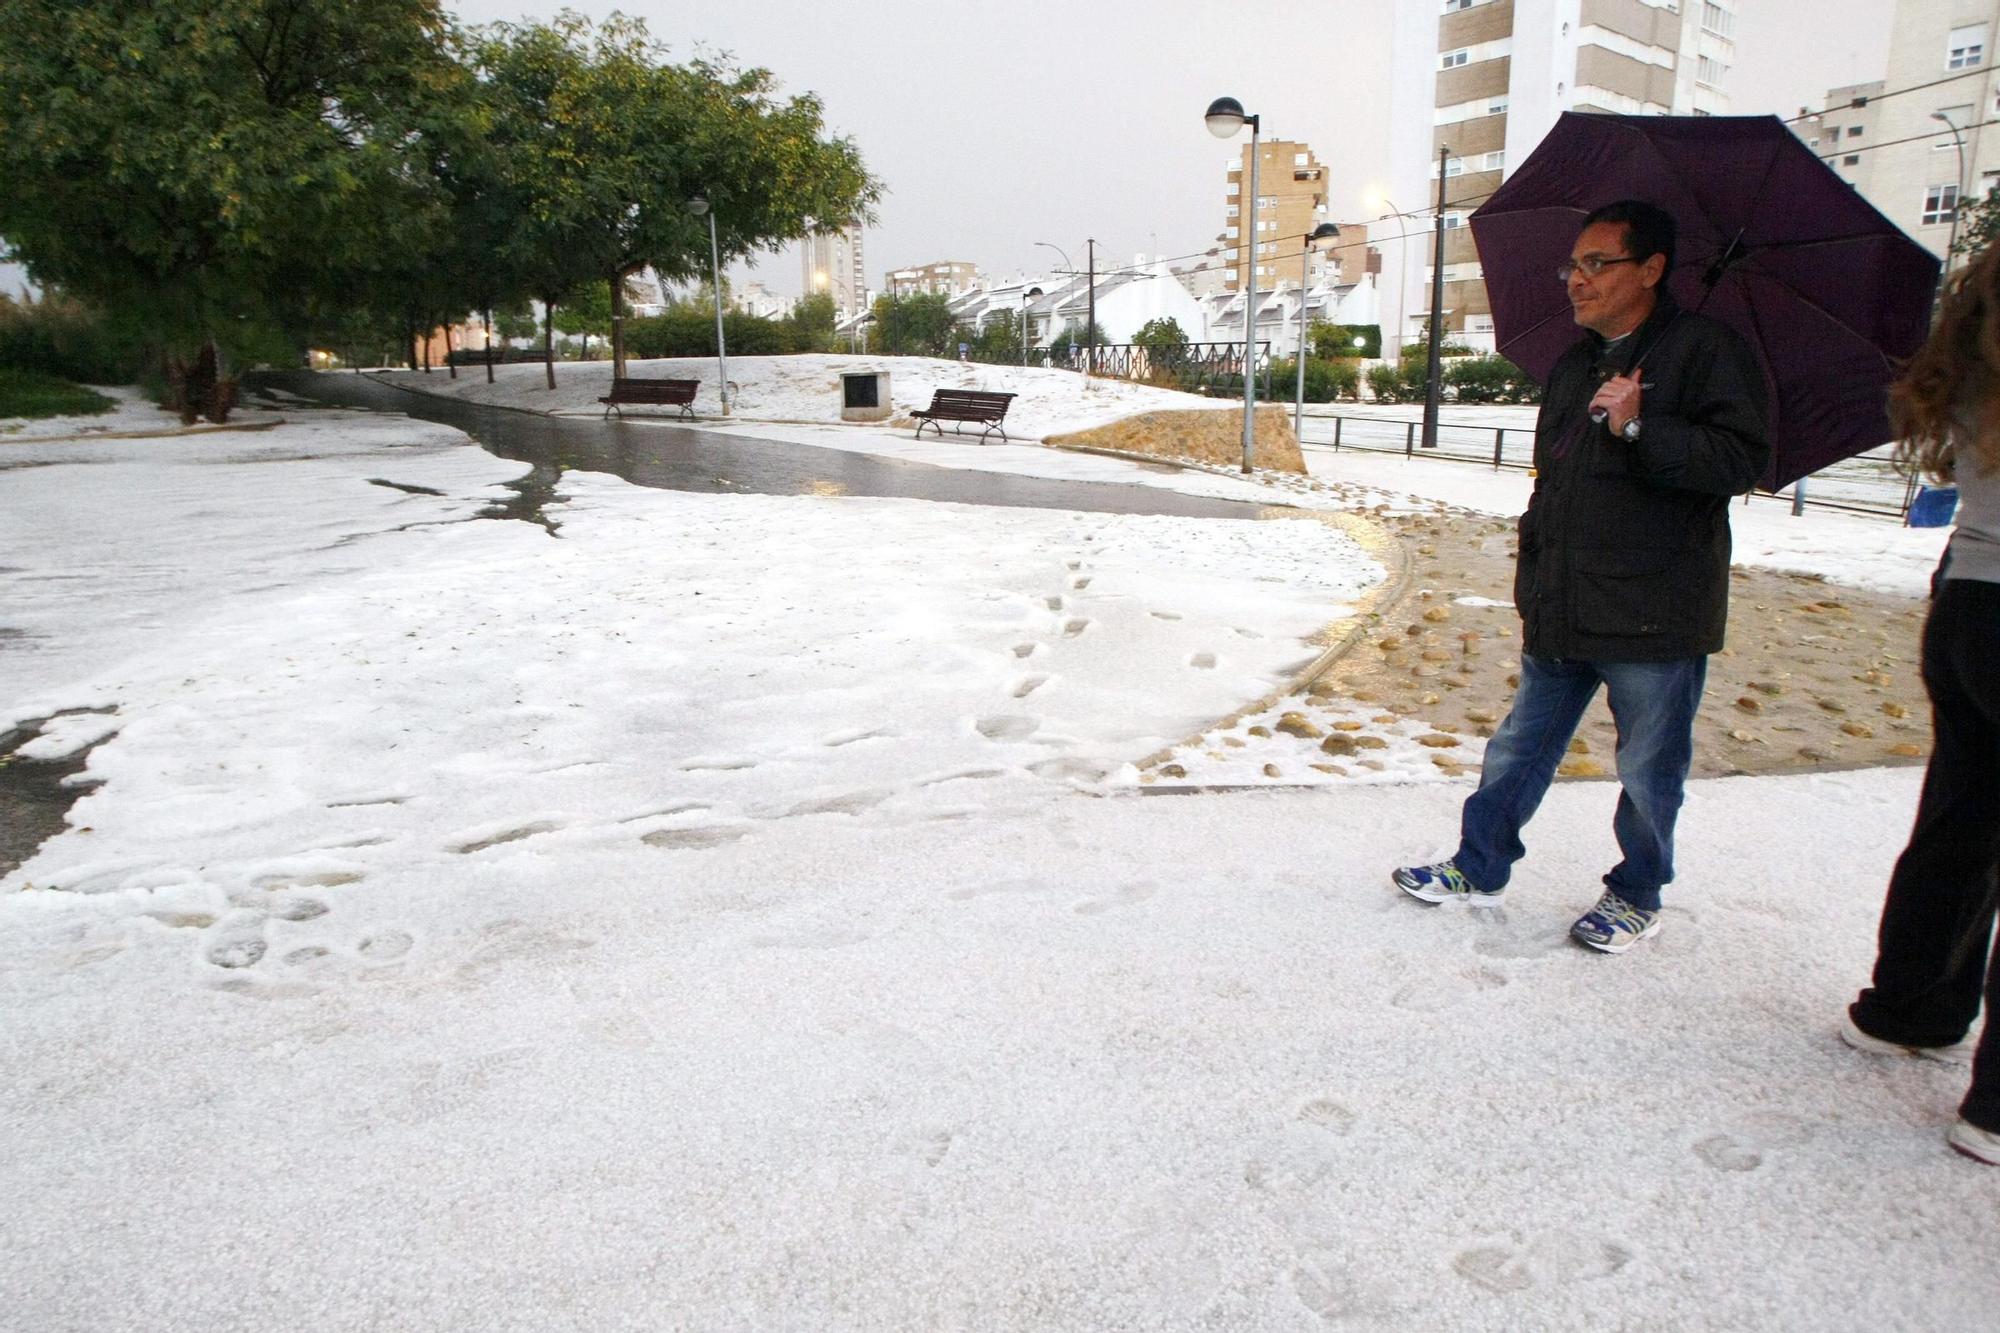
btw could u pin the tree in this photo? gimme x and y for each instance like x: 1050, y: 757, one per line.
x: 607, y: 144
x: 1332, y: 342
x: 587, y: 311
x: 1161, y: 335
x: 920, y: 325
x: 813, y: 321
x: 200, y: 167
x: 1978, y: 224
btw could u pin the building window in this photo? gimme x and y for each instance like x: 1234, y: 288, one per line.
x: 1717, y: 20
x: 1851, y: 160
x: 1966, y: 47
x: 1940, y: 204
x: 1494, y: 162
x: 1235, y: 188
x: 1709, y: 71
x: 1229, y: 233
x: 1450, y: 5
x: 1300, y: 159
x: 1453, y: 59
x: 1453, y: 221
x: 1230, y: 211
x: 1854, y: 131
x: 1497, y: 107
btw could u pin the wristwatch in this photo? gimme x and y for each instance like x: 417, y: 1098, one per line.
x: 1631, y: 430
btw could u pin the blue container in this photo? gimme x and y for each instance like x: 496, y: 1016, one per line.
x: 1933, y: 506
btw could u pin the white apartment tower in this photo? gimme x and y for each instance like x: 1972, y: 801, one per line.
x: 833, y: 264
x: 1920, y: 138
x: 1487, y: 80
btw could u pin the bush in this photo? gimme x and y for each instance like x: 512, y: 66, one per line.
x: 67, y: 339
x: 1489, y: 379
x: 1397, y: 384
x: 33, y: 393
x: 1326, y: 381
x: 1335, y: 342
x: 687, y: 331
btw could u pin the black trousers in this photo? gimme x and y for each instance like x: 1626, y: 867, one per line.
x: 1937, y: 922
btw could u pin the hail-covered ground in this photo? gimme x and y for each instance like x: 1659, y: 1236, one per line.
x: 740, y: 912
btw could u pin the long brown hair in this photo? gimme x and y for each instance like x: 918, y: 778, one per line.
x: 1954, y: 377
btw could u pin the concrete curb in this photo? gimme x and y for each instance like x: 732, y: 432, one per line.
x: 1344, y: 634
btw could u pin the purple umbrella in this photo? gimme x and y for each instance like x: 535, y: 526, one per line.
x: 1830, y: 294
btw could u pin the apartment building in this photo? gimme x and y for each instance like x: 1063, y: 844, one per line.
x: 1922, y: 138
x: 832, y: 263
x: 1291, y: 188
x: 1478, y: 83
x: 947, y: 277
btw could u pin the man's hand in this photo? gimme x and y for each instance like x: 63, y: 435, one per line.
x: 1619, y: 398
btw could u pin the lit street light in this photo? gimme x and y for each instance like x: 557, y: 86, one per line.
x: 699, y: 207
x: 1225, y: 117
x: 1324, y: 232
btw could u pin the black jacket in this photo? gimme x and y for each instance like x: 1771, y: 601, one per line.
x: 1625, y: 545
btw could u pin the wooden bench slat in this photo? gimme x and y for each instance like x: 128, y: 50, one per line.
x: 650, y: 392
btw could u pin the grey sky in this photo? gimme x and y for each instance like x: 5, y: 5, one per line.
x: 995, y: 126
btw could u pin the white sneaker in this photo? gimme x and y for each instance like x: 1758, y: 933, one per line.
x: 1958, y: 1053
x: 1982, y: 1145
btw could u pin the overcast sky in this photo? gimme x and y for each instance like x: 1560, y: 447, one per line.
x: 994, y: 126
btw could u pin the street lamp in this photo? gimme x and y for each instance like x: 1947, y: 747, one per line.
x: 1957, y: 189
x: 1225, y: 117
x: 1402, y: 268
x: 1325, y: 231
x: 1069, y: 271
x: 1032, y: 294
x: 699, y: 207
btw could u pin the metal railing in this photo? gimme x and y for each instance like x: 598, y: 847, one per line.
x: 1214, y: 368
x: 1865, y: 484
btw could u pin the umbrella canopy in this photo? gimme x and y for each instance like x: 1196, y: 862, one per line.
x: 1830, y: 293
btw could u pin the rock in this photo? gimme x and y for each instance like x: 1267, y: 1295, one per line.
x: 1831, y: 705
x: 1295, y: 724
x: 1423, y: 672
x: 1579, y: 746
x: 1859, y: 730
x: 1436, y: 655
x: 1437, y: 740
x: 1347, y: 724
x: 1233, y: 742
x: 1875, y: 678
x: 1580, y: 768
x: 1437, y: 615
x: 1745, y: 737
x: 1767, y: 687
x: 1895, y: 710
x: 1386, y: 719
x: 1429, y: 699
x: 1514, y: 681
x: 1907, y: 751
x: 1272, y: 771
x: 1172, y: 771
x: 1338, y: 745
x: 1370, y: 743
x: 1366, y: 696
x: 1749, y: 705
x: 1481, y: 715
x: 1260, y: 731
x: 1334, y: 769
x: 1390, y: 644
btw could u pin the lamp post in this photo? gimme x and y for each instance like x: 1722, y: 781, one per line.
x: 1433, y: 379
x: 1069, y: 271
x: 1402, y: 269
x: 1032, y: 294
x: 1957, y: 189
x: 1225, y: 117
x: 699, y: 207
x: 1325, y: 231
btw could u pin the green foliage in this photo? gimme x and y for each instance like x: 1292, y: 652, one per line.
x: 1489, y: 379
x: 33, y: 393
x: 812, y: 323
x: 920, y: 325
x: 1160, y: 334
x: 997, y: 342
x: 1333, y: 342
x: 685, y: 330
x: 515, y: 322
x: 1077, y: 336
x: 1978, y: 224
x: 62, y: 336
x: 1419, y: 350
x: 1326, y: 381
x: 1397, y: 384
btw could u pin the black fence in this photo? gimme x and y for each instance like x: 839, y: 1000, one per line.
x: 1214, y: 368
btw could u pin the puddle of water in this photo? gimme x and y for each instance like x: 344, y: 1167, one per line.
x: 34, y: 793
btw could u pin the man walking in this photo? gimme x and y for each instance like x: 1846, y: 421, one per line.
x: 1649, y: 425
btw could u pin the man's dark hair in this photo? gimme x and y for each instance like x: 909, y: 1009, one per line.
x: 1649, y: 231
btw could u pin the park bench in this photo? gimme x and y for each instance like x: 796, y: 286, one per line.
x: 650, y: 393
x: 972, y: 405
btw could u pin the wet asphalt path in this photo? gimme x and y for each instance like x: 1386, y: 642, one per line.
x: 687, y: 458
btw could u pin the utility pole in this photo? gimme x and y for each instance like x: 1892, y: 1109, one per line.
x: 1090, y: 307
x: 1431, y: 384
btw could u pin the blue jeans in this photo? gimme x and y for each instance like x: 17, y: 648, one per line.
x: 1653, y: 704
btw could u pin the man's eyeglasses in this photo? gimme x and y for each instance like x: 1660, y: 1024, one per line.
x: 1591, y: 265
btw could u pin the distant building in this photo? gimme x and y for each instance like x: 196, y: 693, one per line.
x: 1485, y: 80
x: 949, y: 277
x: 1291, y: 188
x: 1915, y: 154
x: 832, y: 263
x: 753, y: 298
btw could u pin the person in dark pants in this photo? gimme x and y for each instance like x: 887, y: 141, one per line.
x: 1935, y: 952
x: 1649, y: 424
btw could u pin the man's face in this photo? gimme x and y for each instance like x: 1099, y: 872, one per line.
x: 1622, y: 294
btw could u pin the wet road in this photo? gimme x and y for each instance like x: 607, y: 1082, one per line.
x: 684, y: 458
